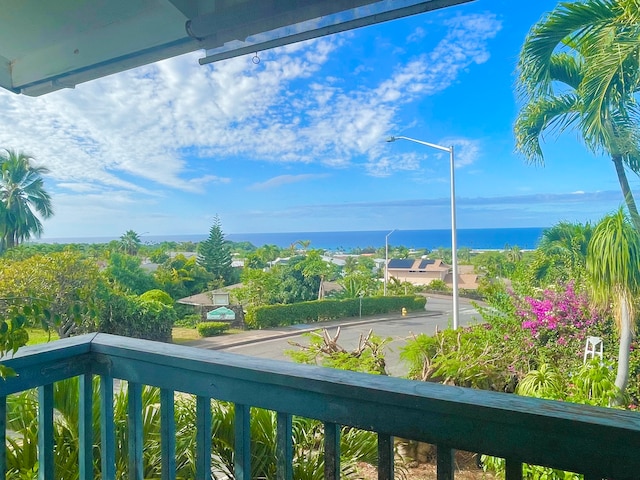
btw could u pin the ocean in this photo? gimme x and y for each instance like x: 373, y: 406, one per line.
x: 474, y: 238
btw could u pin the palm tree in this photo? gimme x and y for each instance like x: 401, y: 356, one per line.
x: 130, y: 242
x: 612, y: 263
x: 562, y: 253
x: 564, y: 83
x: 22, y: 199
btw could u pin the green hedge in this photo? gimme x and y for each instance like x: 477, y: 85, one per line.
x: 131, y: 316
x: 321, y: 310
x: 211, y: 329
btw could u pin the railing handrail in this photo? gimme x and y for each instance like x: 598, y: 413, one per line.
x: 551, y: 433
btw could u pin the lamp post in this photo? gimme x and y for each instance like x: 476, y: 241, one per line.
x: 454, y: 249
x: 386, y: 261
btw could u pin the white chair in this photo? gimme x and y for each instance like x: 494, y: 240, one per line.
x: 593, y: 347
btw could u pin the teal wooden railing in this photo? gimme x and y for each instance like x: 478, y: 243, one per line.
x: 600, y: 443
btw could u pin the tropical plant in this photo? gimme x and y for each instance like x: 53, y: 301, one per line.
x: 22, y: 199
x: 579, y: 67
x: 181, y: 277
x: 612, y: 263
x: 562, y: 253
x: 126, y: 271
x: 66, y: 287
x: 130, y: 242
x: 313, y: 265
x: 308, y: 458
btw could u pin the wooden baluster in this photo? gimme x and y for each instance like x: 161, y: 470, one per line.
x: 134, y: 417
x: 242, y: 457
x: 45, y: 432
x: 284, y: 447
x: 85, y: 428
x: 203, y: 442
x: 3, y: 437
x: 385, y: 457
x: 107, y: 429
x: 331, y: 451
x: 167, y: 434
x: 445, y: 462
x: 513, y: 469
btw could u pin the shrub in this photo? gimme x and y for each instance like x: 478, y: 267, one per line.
x: 130, y: 316
x: 438, y: 286
x: 211, y: 329
x: 159, y: 296
x: 188, y: 321
x: 321, y: 310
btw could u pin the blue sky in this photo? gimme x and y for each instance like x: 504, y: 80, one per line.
x: 296, y: 143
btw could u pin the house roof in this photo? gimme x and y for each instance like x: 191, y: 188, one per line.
x: 49, y: 45
x: 422, y: 265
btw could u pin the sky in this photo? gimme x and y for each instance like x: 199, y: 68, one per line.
x: 296, y: 142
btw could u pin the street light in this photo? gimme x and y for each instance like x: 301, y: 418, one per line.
x: 454, y: 249
x: 386, y: 261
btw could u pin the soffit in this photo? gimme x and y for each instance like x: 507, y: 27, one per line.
x: 49, y: 45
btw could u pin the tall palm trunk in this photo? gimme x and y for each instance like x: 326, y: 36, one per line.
x: 626, y: 334
x: 626, y: 191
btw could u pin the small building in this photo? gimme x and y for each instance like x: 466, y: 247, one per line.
x: 423, y: 271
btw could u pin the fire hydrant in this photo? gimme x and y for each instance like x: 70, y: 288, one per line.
x: 404, y: 312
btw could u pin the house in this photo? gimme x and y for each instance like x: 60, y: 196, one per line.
x: 423, y: 271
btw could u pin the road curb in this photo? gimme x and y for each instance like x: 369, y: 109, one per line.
x: 218, y: 343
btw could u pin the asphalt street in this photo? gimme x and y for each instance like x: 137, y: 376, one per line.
x: 273, y: 343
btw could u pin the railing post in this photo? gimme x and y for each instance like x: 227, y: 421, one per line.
x: 45, y: 432
x: 512, y: 469
x: 385, y: 457
x: 284, y: 447
x: 203, y: 438
x: 331, y: 451
x: 3, y: 437
x: 445, y: 462
x: 167, y: 434
x: 134, y: 417
x: 107, y: 430
x: 85, y: 427
x: 242, y: 456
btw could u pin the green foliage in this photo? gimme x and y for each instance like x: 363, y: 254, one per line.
x: 319, y: 310
x: 126, y: 271
x: 130, y: 242
x: 438, y: 286
x: 64, y: 288
x: 308, y: 459
x: 23, y: 199
x: 211, y: 329
x: 280, y: 284
x: 159, y: 296
x: 131, y: 316
x: 181, y: 277
x: 367, y: 357
x: 188, y: 321
x: 214, y: 254
x: 465, y: 357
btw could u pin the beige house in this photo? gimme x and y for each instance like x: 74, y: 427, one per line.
x: 423, y: 271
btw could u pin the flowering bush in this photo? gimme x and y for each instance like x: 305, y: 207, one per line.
x: 557, y: 322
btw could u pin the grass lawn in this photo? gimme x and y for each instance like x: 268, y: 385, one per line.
x: 183, y: 335
x: 180, y: 335
x: 38, y: 335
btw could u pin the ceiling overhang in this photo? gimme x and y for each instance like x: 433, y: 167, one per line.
x: 49, y: 45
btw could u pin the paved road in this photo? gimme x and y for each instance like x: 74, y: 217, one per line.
x: 438, y: 315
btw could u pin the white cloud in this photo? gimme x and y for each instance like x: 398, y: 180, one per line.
x: 280, y: 180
